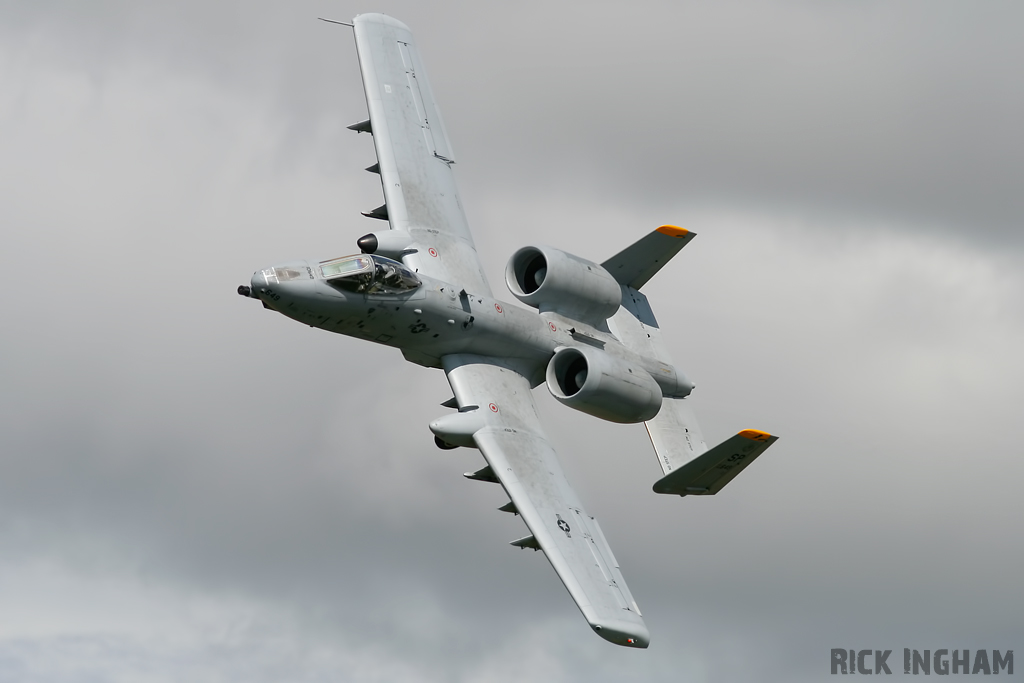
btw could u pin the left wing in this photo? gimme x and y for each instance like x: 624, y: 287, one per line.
x: 509, y: 435
x: 414, y: 157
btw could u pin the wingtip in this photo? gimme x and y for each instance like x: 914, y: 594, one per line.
x: 626, y: 634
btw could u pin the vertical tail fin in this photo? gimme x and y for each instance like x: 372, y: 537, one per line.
x: 689, y: 467
x: 674, y: 431
x: 675, y: 434
x: 637, y: 263
x: 708, y: 473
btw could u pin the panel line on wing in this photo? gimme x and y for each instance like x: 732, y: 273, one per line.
x: 424, y: 114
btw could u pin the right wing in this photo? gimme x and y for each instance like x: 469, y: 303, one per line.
x: 414, y: 157
x: 509, y: 435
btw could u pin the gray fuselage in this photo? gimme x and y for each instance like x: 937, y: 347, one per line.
x: 436, y: 319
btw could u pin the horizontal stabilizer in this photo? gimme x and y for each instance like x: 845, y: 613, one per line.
x: 526, y: 542
x: 637, y: 263
x: 362, y: 127
x: 707, y: 474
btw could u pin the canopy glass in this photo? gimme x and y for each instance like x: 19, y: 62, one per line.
x: 369, y: 274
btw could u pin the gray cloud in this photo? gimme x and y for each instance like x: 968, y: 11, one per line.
x: 877, y: 112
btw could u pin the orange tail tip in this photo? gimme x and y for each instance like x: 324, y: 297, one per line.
x: 755, y: 435
x: 673, y: 231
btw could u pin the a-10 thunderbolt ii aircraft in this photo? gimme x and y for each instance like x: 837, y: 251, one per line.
x: 590, y: 335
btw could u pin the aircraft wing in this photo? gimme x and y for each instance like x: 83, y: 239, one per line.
x: 520, y: 457
x: 414, y: 156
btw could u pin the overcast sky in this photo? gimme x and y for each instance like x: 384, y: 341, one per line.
x: 194, y: 488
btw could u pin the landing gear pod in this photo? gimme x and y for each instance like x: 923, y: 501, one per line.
x: 458, y: 428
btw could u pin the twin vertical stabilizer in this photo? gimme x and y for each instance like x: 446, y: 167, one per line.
x: 689, y: 467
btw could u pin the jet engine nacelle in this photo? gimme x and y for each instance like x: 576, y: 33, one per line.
x: 552, y: 280
x: 602, y: 385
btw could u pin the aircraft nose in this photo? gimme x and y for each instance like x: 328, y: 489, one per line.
x: 258, y: 286
x: 270, y: 283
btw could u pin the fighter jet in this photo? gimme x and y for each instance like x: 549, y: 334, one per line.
x: 588, y: 334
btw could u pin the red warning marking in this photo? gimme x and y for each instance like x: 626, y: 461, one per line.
x: 497, y: 307
x: 552, y: 326
x: 493, y: 408
x: 432, y: 252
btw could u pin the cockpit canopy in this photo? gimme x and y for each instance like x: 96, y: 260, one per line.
x: 369, y: 274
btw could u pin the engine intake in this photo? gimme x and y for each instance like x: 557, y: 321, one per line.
x: 549, y: 279
x: 602, y: 385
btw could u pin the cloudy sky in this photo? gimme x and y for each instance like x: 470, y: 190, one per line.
x: 193, y: 488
